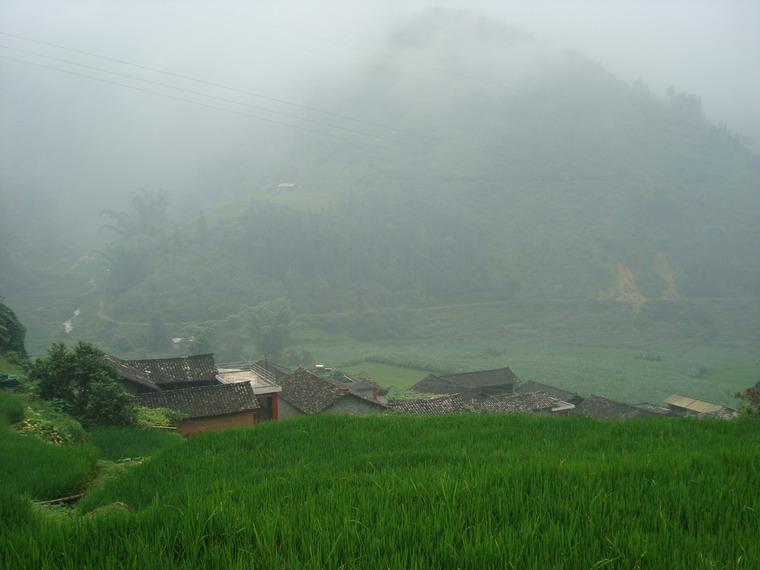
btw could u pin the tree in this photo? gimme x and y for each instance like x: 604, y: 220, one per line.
x: 203, y: 338
x: 201, y: 229
x: 12, y: 332
x: 148, y: 215
x: 270, y: 325
x: 83, y: 385
x: 158, y: 338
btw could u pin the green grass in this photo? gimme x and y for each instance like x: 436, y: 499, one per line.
x: 40, y: 470
x: 386, y: 374
x: 448, y: 492
x: 116, y: 443
x: 11, y: 408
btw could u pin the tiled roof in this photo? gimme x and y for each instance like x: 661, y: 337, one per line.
x: 129, y: 373
x: 525, y: 403
x: 200, y: 368
x: 603, y: 408
x: 533, y: 386
x: 465, y: 381
x: 204, y: 401
x: 311, y: 393
x: 653, y: 409
x: 451, y: 404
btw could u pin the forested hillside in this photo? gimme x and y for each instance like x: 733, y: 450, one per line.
x: 543, y: 177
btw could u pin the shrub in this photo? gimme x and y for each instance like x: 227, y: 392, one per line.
x: 158, y: 417
x: 43, y: 421
x: 750, y: 400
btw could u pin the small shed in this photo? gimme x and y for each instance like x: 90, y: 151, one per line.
x: 207, y: 408
x: 473, y: 386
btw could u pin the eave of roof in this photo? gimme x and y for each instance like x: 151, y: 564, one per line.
x: 204, y: 401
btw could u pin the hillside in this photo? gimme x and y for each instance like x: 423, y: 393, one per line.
x: 393, y: 492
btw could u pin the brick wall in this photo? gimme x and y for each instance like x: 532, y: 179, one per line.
x: 216, y: 423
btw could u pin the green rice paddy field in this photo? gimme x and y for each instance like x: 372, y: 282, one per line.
x: 707, y: 349
x: 398, y: 492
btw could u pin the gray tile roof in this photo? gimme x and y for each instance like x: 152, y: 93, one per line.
x: 188, y: 369
x: 451, y: 404
x: 204, y: 401
x: 533, y: 386
x: 129, y: 373
x: 604, y: 408
x: 529, y: 402
x: 468, y: 382
x: 312, y: 394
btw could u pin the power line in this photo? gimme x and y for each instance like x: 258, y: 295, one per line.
x: 478, y: 150
x: 151, y: 92
x: 200, y: 80
x: 194, y: 102
x: 193, y: 92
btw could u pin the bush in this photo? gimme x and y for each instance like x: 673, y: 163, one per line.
x: 158, y: 417
x: 750, y: 400
x: 43, y: 421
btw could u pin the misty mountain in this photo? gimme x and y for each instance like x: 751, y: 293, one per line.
x: 467, y: 160
x: 533, y: 173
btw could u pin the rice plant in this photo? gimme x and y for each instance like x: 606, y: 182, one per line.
x: 446, y: 492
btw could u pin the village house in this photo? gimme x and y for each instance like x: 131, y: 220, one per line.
x: 305, y: 393
x: 194, y: 386
x: 526, y: 403
x: 442, y: 405
x: 207, y: 408
x: 473, y: 386
x: 686, y: 406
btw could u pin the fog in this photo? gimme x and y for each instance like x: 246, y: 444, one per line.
x: 68, y: 137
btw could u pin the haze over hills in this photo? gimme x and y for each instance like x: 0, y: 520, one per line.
x: 487, y: 166
x: 466, y: 162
